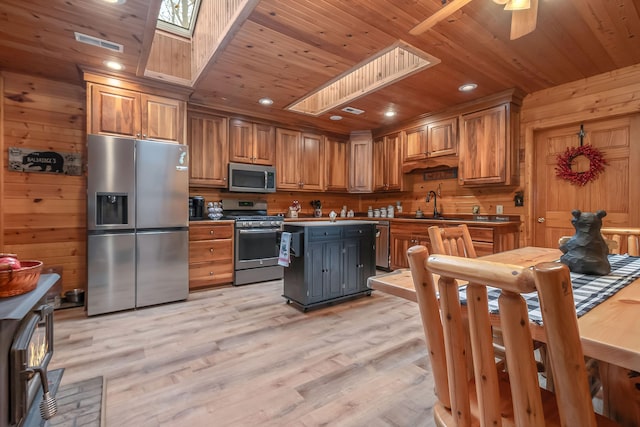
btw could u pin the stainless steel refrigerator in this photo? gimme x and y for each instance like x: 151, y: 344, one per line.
x: 137, y: 220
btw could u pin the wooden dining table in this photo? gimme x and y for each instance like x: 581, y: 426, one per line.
x: 610, y: 332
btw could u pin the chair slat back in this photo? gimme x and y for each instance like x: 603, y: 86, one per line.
x: 628, y: 239
x: 430, y: 314
x: 554, y: 288
x: 454, y: 241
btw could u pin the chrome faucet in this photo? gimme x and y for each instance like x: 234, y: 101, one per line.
x: 436, y: 214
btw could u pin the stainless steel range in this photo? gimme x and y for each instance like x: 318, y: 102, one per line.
x: 256, y: 241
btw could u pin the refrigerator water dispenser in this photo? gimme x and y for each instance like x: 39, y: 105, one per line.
x: 111, y: 208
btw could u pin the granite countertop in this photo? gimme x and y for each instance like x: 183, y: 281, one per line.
x: 493, y: 220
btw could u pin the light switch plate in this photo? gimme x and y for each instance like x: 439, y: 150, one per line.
x: 499, y: 209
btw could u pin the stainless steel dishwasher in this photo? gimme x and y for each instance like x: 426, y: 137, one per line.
x: 382, y: 245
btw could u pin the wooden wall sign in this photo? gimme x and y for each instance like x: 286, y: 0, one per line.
x: 27, y: 160
x: 440, y: 174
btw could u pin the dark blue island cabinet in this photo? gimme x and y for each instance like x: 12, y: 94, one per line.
x: 330, y: 261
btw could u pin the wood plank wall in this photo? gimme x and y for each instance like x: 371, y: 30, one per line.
x: 607, y: 95
x: 44, y: 214
x: 170, y: 58
x: 454, y: 199
x: 216, y: 22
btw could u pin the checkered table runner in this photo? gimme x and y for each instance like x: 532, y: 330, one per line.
x: 588, y: 290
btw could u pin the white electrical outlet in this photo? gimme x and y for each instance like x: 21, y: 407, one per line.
x: 499, y: 209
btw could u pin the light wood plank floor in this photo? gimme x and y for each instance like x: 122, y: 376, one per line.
x: 240, y: 356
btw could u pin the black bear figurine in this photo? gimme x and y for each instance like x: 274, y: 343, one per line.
x: 586, y: 251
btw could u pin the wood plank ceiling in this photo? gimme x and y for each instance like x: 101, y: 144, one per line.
x: 287, y: 49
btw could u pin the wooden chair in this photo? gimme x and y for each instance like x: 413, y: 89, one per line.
x: 454, y: 241
x: 631, y: 235
x: 457, y: 241
x: 500, y: 398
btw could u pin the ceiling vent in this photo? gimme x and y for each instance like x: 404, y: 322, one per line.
x: 94, y: 41
x: 352, y: 110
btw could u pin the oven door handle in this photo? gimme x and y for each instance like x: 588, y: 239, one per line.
x: 258, y: 231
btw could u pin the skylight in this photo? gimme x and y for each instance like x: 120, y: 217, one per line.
x: 178, y: 16
x: 386, y: 67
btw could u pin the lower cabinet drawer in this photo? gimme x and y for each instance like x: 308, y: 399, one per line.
x: 210, y: 250
x: 481, y: 234
x: 210, y: 273
x: 210, y: 231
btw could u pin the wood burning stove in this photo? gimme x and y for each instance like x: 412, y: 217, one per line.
x: 26, y: 347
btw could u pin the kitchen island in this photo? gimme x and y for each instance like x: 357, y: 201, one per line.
x: 329, y: 261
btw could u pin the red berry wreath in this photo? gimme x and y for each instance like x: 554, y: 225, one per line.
x: 596, y: 164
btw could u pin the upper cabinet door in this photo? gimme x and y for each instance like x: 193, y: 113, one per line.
x: 442, y: 137
x: 264, y: 150
x: 361, y: 162
x: 393, y: 147
x: 240, y: 141
x: 415, y: 144
x: 336, y: 164
x: 114, y: 111
x: 209, y: 150
x: 163, y: 118
x: 251, y: 142
x: 287, y: 159
x: 379, y: 172
x: 484, y: 141
x: 312, y: 162
x: 387, y: 154
x: 122, y: 112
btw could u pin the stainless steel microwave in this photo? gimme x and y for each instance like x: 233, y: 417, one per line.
x: 252, y: 178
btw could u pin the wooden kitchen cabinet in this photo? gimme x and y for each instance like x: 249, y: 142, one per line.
x: 129, y: 113
x: 360, y: 162
x: 333, y: 262
x: 434, y: 139
x: 487, y: 237
x: 336, y: 164
x: 402, y: 237
x: 489, y: 147
x: 208, y: 150
x: 210, y: 253
x: 387, y: 174
x: 251, y: 142
x: 299, y: 160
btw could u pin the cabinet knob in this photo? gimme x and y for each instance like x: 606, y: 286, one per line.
x: 211, y: 273
x: 210, y: 231
x: 137, y: 135
x: 144, y: 135
x: 211, y: 250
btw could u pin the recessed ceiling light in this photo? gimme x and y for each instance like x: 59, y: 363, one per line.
x: 116, y: 1
x: 335, y: 118
x: 266, y: 101
x: 467, y: 87
x: 390, y: 113
x: 114, y: 65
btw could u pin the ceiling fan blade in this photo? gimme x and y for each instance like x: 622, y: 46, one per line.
x: 444, y: 13
x: 524, y: 21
